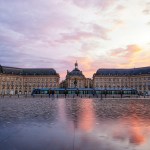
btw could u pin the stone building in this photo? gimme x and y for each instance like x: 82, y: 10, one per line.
x: 137, y: 78
x: 23, y: 80
x: 76, y: 79
x: 88, y: 83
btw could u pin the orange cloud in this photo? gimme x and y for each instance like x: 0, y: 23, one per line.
x: 129, y: 51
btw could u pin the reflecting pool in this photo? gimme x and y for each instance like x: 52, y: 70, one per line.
x: 74, y: 124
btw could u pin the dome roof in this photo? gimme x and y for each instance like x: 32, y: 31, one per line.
x: 75, y: 72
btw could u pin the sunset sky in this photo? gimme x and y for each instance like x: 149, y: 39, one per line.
x: 56, y: 33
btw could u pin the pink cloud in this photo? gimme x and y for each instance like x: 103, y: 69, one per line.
x: 76, y: 36
x: 131, y: 56
x: 103, y: 4
x: 96, y: 32
x: 129, y: 51
x: 147, y: 9
x: 120, y: 7
x: 88, y: 47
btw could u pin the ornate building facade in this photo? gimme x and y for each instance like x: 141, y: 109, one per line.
x: 23, y: 81
x: 76, y: 79
x: 137, y: 78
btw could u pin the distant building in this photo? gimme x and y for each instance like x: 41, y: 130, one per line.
x: 137, y: 78
x: 24, y: 80
x: 88, y: 83
x: 76, y: 79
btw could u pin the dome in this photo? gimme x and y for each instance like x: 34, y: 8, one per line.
x: 76, y: 72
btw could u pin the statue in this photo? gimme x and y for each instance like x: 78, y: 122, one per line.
x: 76, y: 65
x: 75, y: 82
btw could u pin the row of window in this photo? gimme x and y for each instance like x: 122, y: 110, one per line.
x: 51, y: 80
x: 20, y: 83
x: 36, y: 80
x: 124, y: 83
x: 28, y: 79
x: 137, y: 87
x: 122, y: 79
x: 3, y: 86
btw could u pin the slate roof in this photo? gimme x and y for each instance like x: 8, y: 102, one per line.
x: 39, y: 71
x: 1, y: 70
x: 75, y: 72
x: 133, y: 71
x: 27, y: 71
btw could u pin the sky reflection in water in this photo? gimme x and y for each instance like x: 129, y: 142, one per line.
x: 85, y: 124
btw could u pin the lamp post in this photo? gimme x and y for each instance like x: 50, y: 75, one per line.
x: 121, y: 93
x: 75, y: 83
x: 65, y: 85
x: 105, y: 93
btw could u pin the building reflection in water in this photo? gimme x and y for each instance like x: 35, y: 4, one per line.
x: 91, y: 126
x: 87, y: 124
x: 134, y: 133
x: 87, y: 116
x: 81, y: 113
x: 135, y: 128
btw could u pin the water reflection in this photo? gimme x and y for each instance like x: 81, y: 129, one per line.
x: 85, y: 124
x: 102, y: 121
x: 86, y: 116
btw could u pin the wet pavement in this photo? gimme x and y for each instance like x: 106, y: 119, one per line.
x: 74, y: 124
